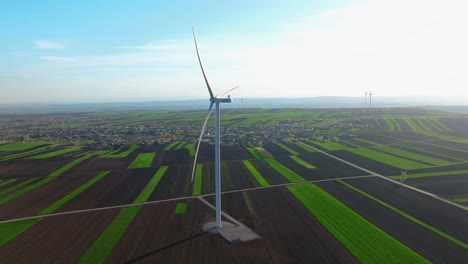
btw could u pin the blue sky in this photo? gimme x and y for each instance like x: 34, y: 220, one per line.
x: 91, y: 51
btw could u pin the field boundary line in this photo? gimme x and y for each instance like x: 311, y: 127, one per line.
x: 179, y: 198
x: 388, y: 179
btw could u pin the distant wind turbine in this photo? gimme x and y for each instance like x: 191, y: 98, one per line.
x: 214, y: 100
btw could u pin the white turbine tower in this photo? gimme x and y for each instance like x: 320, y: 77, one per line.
x: 214, y: 100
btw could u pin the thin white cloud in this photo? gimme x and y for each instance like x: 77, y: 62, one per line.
x: 46, y: 44
x: 56, y: 58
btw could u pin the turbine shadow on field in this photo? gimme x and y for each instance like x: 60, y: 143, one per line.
x: 170, y: 246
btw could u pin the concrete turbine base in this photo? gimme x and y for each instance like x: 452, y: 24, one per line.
x: 233, y: 233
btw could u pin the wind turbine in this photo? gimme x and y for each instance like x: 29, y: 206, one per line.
x: 214, y: 100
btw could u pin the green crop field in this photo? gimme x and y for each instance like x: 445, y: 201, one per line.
x: 288, y: 149
x: 143, y: 160
x: 56, y: 153
x: 388, y: 159
x: 284, y: 171
x: 302, y: 162
x: 122, y: 154
x: 366, y: 241
x: 20, y: 146
x: 413, y: 156
x: 180, y: 208
x: 197, y: 181
x: 103, y: 245
x: 304, y: 147
x: 260, y: 179
x: 328, y: 145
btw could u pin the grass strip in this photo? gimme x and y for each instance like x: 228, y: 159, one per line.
x: 180, y: 208
x: 413, y: 156
x: 11, y: 230
x: 55, y: 153
x: 284, y: 171
x: 398, y: 211
x: 143, y: 160
x: 254, y: 151
x: 170, y: 146
x: 430, y: 174
x: 16, y: 186
x: 191, y: 149
x: 42, y: 182
x: 25, y: 190
x: 73, y: 194
x: 67, y: 167
x: 328, y: 145
x: 123, y: 154
x: 460, y: 200
x: 103, y: 245
x: 302, y: 162
x: 180, y: 145
x: 388, y: 159
x: 363, y: 239
x: 260, y: 179
x: 304, y: 147
x: 197, y: 182
x: 20, y: 146
x: 26, y: 153
x: 288, y: 149
x: 390, y: 124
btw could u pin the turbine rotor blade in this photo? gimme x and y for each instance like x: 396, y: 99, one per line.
x: 199, y: 142
x: 225, y: 92
x: 201, y: 65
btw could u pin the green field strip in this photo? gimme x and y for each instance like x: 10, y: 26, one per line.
x: 180, y: 208
x: 18, y: 146
x: 328, y: 145
x: 412, y: 125
x: 180, y: 145
x: 103, y: 245
x: 67, y: 167
x: 390, y: 124
x: 351, y: 144
x: 197, y: 181
x: 409, y: 217
x: 5, y: 182
x: 17, y: 186
x: 431, y: 125
x: 257, y: 154
x: 367, y: 141
x: 26, y: 153
x: 112, y: 152
x: 454, y: 157
x: 430, y: 174
x: 73, y: 194
x: 304, y: 147
x: 284, y: 171
x: 38, y: 184
x: 143, y: 160
x: 191, y: 149
x: 172, y: 145
x: 55, y: 153
x: 363, y: 239
x: 123, y: 154
x: 10, y: 230
x: 302, y: 162
x: 288, y: 149
x: 413, y: 156
x: 260, y: 179
x: 24, y: 190
x: 460, y: 200
x: 441, y: 125
x: 388, y: 159
x: 421, y: 124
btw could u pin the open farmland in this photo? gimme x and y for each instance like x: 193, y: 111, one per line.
x: 330, y: 190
